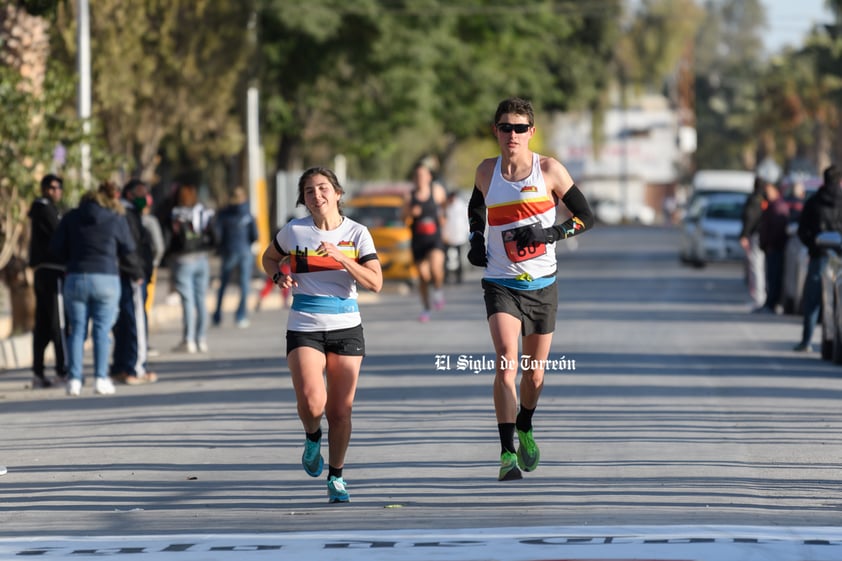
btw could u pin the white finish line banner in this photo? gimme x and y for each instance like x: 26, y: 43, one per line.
x: 621, y: 543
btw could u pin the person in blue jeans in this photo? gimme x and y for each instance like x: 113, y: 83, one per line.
x: 90, y: 240
x: 190, y: 245
x: 235, y: 231
x: 822, y: 213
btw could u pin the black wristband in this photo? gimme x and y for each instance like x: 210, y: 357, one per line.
x: 276, y: 277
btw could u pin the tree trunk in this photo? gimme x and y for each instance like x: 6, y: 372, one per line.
x: 18, y: 278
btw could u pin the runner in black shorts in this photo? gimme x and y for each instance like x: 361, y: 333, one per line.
x: 515, y: 199
x: 328, y: 255
x: 424, y: 210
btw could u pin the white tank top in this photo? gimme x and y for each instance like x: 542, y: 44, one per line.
x: 513, y: 205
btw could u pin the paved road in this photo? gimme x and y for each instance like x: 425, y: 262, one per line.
x: 682, y: 409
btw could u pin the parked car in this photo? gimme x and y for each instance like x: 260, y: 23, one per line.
x: 711, y: 228
x: 831, y: 310
x: 382, y: 215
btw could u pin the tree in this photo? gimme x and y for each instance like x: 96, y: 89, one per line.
x: 166, y: 74
x: 729, y: 57
x: 385, y: 81
x: 27, y: 141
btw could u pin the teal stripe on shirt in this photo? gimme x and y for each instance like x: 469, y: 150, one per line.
x: 516, y: 284
x: 324, y: 304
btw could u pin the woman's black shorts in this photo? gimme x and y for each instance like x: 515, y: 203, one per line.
x: 348, y: 341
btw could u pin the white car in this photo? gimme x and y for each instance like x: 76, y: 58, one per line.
x: 711, y: 228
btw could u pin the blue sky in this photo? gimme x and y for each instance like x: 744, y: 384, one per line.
x: 789, y: 21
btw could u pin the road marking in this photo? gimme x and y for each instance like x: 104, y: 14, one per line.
x: 584, y: 543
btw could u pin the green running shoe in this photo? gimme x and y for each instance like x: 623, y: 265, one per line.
x: 312, y: 458
x: 508, y: 467
x: 527, y: 451
x: 336, y: 491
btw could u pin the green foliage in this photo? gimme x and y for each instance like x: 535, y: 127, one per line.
x: 166, y: 74
x: 728, y: 71
x: 32, y: 130
x: 386, y: 81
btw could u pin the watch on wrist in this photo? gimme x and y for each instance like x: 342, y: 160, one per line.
x: 276, y: 277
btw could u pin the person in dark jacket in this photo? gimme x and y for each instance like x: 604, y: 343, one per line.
x: 235, y: 232
x: 822, y: 213
x: 44, y: 216
x: 755, y: 264
x: 130, y: 347
x: 90, y: 240
x: 772, y: 237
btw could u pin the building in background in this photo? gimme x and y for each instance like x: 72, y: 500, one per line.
x: 635, y: 173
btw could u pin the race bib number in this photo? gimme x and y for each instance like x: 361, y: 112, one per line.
x: 426, y: 227
x: 525, y: 253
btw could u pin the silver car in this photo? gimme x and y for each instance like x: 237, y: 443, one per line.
x: 831, y: 307
x: 711, y: 228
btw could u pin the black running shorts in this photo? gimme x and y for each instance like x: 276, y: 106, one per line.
x: 536, y: 309
x: 348, y: 341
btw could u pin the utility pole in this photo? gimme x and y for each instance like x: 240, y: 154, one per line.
x: 83, y: 58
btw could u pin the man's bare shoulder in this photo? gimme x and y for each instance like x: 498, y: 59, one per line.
x: 485, y: 170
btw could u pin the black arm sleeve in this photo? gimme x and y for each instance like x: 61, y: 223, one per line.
x: 476, y: 212
x: 582, y: 219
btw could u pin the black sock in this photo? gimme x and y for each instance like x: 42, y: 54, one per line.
x: 507, y: 436
x: 524, y: 419
x: 334, y: 472
x: 314, y: 436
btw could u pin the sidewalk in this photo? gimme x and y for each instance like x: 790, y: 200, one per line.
x: 16, y: 351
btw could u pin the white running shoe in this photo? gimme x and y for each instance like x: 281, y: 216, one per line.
x: 74, y: 387
x: 188, y: 347
x: 104, y: 386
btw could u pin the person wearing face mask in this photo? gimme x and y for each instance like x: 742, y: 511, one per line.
x: 128, y: 364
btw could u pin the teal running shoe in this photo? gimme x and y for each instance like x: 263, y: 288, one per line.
x: 527, y: 451
x: 336, y: 491
x: 508, y: 467
x: 312, y: 458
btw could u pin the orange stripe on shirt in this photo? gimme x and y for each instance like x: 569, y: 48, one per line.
x: 508, y: 213
x: 312, y: 262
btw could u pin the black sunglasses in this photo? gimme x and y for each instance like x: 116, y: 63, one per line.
x: 519, y: 128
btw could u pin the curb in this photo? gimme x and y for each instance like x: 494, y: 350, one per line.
x: 16, y: 351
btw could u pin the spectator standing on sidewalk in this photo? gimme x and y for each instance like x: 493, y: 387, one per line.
x: 130, y: 334
x: 749, y: 240
x: 822, y: 213
x: 190, y: 246
x: 44, y: 216
x: 455, y: 236
x: 772, y: 237
x: 236, y: 231
x: 90, y: 240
